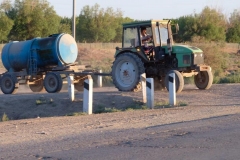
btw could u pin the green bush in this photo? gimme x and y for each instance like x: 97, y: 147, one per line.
x: 214, y: 55
x: 101, y: 109
x: 232, y: 78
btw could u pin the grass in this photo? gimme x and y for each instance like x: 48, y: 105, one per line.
x: 165, y: 104
x: 231, y: 78
x: 76, y: 114
x: 4, y: 118
x: 135, y: 106
x: 43, y: 100
x: 102, y: 109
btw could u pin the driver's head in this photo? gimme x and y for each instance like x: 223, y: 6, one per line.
x: 143, y: 30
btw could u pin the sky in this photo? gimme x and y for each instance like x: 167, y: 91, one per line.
x: 148, y: 9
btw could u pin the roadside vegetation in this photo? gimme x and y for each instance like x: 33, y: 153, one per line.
x: 4, y: 118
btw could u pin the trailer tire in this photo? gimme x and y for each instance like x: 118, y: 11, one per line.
x: 53, y: 82
x: 38, y: 86
x: 9, y: 84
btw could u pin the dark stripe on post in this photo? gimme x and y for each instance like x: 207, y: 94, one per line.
x: 143, y: 79
x: 170, y: 79
x: 86, y: 86
x: 149, y: 85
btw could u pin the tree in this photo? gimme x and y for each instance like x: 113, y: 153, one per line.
x: 5, y: 27
x: 188, y: 28
x: 34, y: 18
x: 5, y: 22
x: 65, y: 25
x: 233, y: 32
x: 210, y: 24
x: 98, y: 25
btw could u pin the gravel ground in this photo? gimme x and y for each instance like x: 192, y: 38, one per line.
x: 218, y: 101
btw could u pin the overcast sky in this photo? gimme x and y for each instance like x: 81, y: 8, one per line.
x: 147, y: 9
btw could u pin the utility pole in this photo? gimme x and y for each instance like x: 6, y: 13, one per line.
x: 73, y: 20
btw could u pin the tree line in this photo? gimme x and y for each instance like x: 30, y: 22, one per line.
x: 27, y: 19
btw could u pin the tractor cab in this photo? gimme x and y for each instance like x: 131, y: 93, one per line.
x: 151, y: 49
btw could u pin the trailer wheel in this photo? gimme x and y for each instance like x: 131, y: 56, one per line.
x: 9, y: 84
x: 204, y: 79
x: 126, y: 71
x: 179, y: 81
x: 53, y: 82
x: 38, y: 86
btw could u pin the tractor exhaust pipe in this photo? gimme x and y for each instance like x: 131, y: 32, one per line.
x: 169, y: 41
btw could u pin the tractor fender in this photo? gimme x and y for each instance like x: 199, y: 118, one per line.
x: 139, y: 54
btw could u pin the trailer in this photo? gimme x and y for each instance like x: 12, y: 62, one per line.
x: 42, y: 64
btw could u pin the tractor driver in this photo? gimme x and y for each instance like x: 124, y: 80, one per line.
x: 144, y: 36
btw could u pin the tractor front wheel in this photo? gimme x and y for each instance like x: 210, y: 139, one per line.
x: 204, y: 79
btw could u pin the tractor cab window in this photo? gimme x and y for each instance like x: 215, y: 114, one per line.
x: 157, y: 35
x: 164, y: 35
x: 130, y: 37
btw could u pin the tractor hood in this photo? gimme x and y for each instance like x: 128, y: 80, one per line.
x: 185, y: 49
x: 180, y: 49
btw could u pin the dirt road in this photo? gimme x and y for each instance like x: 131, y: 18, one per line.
x: 46, y: 138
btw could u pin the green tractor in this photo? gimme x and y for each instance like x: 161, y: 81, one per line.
x: 157, y: 57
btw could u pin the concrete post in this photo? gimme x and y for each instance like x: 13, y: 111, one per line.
x: 100, y: 79
x: 71, y: 92
x: 88, y: 95
x: 172, y: 89
x: 144, y: 90
x: 150, y: 93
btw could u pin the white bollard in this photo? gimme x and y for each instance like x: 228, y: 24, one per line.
x: 88, y: 95
x: 71, y: 92
x: 150, y: 93
x: 172, y: 89
x: 100, y: 79
x: 144, y: 90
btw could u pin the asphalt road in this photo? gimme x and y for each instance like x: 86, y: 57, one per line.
x: 215, y: 138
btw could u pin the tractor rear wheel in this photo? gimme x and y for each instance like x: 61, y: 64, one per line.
x: 204, y: 79
x: 126, y: 72
x: 179, y: 81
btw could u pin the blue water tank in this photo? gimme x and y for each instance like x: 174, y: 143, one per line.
x: 55, y: 50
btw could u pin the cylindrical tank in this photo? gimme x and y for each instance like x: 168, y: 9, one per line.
x: 55, y: 50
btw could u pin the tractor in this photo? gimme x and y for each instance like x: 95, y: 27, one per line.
x: 157, y: 58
